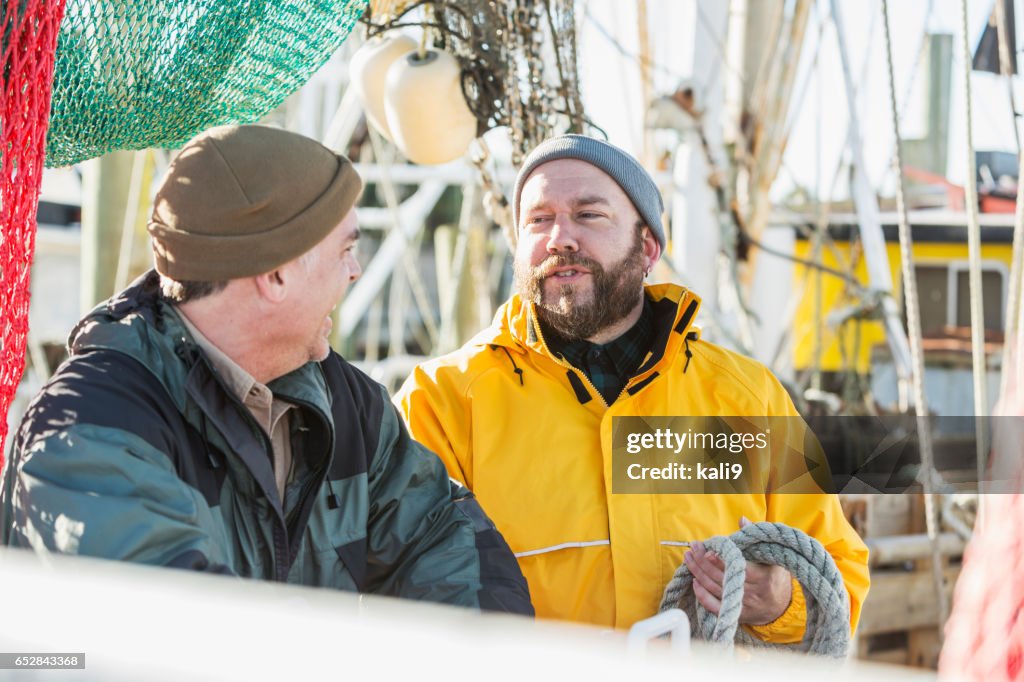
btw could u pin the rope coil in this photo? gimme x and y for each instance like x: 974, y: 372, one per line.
x: 828, y: 605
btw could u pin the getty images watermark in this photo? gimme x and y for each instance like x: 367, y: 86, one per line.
x: 772, y: 455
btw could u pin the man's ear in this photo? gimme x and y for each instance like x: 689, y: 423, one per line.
x: 651, y: 247
x: 272, y: 286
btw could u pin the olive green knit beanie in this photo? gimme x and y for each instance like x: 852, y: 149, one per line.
x: 240, y: 201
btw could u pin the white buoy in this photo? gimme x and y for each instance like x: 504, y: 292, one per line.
x: 426, y: 111
x: 369, y: 67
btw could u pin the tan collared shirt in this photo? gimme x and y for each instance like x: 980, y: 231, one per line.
x: 270, y: 411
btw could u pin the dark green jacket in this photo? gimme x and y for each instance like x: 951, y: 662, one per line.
x: 136, y: 451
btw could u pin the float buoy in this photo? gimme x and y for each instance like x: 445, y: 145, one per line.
x: 426, y: 111
x: 369, y: 67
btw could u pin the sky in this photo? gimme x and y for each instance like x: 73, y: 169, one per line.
x: 611, y: 83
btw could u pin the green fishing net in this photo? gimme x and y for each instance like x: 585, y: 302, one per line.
x: 133, y: 74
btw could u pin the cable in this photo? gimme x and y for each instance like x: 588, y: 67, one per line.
x: 974, y: 258
x: 924, y: 434
x: 722, y: 59
x: 626, y: 53
x: 908, y: 91
x: 849, y: 279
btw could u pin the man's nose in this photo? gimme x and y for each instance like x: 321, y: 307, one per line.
x: 563, y: 236
x: 356, y: 272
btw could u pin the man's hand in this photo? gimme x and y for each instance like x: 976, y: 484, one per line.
x: 767, y: 589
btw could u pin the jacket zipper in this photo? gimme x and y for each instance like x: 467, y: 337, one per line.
x: 280, y: 532
x: 315, y: 480
x: 580, y: 373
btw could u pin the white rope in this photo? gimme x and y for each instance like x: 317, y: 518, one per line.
x: 827, y: 630
x: 914, y: 332
x: 974, y: 260
x: 1013, y: 300
x: 1005, y: 65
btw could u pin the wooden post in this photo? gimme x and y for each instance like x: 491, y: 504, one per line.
x: 923, y: 643
x: 105, y: 184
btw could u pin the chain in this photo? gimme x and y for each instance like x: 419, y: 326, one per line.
x: 517, y: 119
x: 501, y: 47
x: 495, y: 204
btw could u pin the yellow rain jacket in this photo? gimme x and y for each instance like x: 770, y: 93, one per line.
x: 531, y: 436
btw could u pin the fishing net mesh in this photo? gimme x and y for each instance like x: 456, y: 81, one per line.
x: 985, y: 634
x: 29, y: 34
x: 133, y: 74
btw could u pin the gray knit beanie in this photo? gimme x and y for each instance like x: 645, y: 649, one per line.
x: 620, y: 166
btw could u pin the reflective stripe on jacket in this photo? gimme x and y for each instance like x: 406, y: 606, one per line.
x: 532, y: 438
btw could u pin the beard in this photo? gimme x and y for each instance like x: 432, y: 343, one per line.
x: 570, y: 312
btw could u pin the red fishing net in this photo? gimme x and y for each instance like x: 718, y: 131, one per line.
x: 985, y: 634
x: 29, y: 37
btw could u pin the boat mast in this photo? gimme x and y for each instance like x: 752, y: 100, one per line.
x: 866, y: 203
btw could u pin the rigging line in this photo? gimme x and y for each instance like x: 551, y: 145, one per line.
x: 913, y: 312
x: 1005, y: 66
x: 908, y: 91
x: 630, y: 121
x: 415, y: 281
x: 723, y: 61
x: 643, y: 41
x: 755, y: 101
x: 849, y: 279
x: 626, y: 53
x: 974, y: 257
x: 824, y: 218
x: 816, y: 242
x: 858, y: 88
x: 866, y: 203
x: 797, y: 103
x: 1011, y: 357
x: 826, y: 214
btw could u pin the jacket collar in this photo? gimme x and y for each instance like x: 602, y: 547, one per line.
x: 140, y: 323
x: 515, y: 328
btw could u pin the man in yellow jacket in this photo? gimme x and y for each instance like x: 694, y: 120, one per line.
x: 523, y: 413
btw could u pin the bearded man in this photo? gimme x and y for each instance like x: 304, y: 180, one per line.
x: 522, y: 414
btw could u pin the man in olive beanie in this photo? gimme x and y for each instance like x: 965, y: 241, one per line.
x: 203, y: 421
x: 241, y: 200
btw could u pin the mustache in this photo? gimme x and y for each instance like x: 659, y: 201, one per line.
x: 544, y: 268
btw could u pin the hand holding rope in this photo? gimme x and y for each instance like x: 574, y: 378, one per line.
x: 827, y: 631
